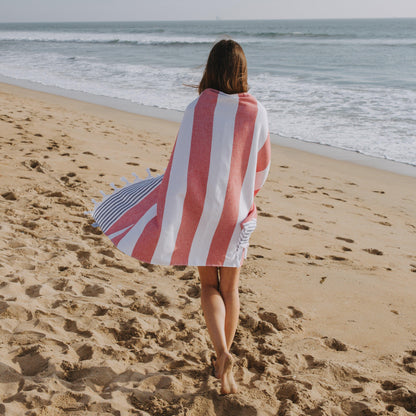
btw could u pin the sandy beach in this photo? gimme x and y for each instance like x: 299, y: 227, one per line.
x: 328, y: 292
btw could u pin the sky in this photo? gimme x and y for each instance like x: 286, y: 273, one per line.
x: 137, y: 10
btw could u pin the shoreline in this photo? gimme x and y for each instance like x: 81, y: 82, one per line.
x: 319, y: 149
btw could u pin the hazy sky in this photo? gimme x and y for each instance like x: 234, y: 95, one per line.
x: 130, y: 10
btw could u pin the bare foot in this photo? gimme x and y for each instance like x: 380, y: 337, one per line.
x: 214, y: 367
x: 224, y: 370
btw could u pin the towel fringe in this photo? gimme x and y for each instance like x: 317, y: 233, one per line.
x: 116, y: 189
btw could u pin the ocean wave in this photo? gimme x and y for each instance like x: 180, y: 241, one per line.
x: 154, y: 39
x: 110, y: 38
x: 274, y: 35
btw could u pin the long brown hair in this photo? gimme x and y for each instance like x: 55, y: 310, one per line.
x: 226, y: 68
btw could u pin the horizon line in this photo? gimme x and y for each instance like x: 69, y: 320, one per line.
x: 206, y: 20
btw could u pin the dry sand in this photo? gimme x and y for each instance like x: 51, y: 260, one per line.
x: 328, y: 319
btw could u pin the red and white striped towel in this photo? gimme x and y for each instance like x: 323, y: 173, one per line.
x: 201, y: 212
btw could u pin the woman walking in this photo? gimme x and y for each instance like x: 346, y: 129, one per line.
x: 201, y: 212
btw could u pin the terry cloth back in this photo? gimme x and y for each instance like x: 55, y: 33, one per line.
x: 201, y: 212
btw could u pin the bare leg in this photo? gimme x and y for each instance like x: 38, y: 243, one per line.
x: 215, y: 314
x: 229, y: 279
x: 213, y: 307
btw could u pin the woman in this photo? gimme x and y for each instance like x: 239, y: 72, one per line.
x: 201, y: 212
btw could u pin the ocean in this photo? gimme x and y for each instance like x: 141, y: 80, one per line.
x: 344, y: 83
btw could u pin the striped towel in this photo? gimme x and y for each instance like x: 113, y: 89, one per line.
x: 201, y: 212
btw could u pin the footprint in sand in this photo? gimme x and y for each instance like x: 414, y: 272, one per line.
x: 347, y: 240
x: 254, y: 364
x: 281, y: 323
x: 150, y: 267
x: 62, y: 284
x: 31, y: 361
x: 93, y: 290
x: 130, y: 331
x: 357, y: 389
x: 385, y: 223
x: 388, y: 385
x: 83, y: 257
x: 190, y: 275
x: 9, y: 196
x: 53, y: 145
x: 335, y: 344
x: 259, y: 246
x: 71, y: 326
x: 143, y: 307
x: 398, y: 395
x: 312, y: 362
x: 33, y: 291
x: 100, y: 310
x: 128, y: 292
x: 337, y: 258
x: 159, y: 298
x: 283, y: 217
x: 108, y: 253
x: 374, y: 251
x: 301, y: 226
x: 194, y: 291
x: 31, y: 225
x: 111, y: 263
x: 409, y: 361
x: 85, y: 352
x: 296, y: 313
x: 34, y: 165
x: 289, y: 393
x: 180, y: 268
x: 70, y: 371
x: 89, y: 229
